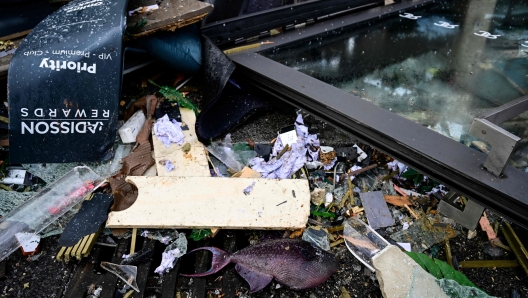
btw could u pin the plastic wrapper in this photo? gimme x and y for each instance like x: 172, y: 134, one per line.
x: 232, y: 158
x: 318, y: 237
x: 362, y: 241
x: 164, y: 236
x: 48, y: 205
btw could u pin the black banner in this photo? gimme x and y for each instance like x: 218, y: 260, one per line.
x: 64, y: 85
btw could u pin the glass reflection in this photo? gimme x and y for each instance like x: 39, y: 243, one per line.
x: 439, y: 66
x: 226, y: 9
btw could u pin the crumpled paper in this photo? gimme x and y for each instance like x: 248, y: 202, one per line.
x: 169, y: 131
x: 292, y: 160
x: 172, y: 252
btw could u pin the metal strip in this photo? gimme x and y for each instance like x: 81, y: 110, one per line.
x: 227, y: 31
x: 436, y: 156
x: 503, y: 143
x: 506, y: 111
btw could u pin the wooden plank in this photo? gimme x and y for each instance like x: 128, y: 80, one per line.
x: 143, y: 270
x: 191, y: 164
x: 110, y: 280
x: 15, y: 35
x: 84, y: 276
x: 4, y: 61
x: 200, y: 265
x: 398, y: 200
x: 205, y: 202
x: 231, y: 281
x: 168, y: 289
x: 171, y: 15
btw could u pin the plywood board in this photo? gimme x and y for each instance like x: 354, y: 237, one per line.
x: 205, y: 202
x: 171, y: 15
x: 191, y: 164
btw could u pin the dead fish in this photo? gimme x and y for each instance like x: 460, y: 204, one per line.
x: 292, y: 262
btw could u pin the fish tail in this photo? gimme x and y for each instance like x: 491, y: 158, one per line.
x: 220, y: 260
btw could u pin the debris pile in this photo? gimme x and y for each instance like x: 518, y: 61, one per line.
x: 169, y: 172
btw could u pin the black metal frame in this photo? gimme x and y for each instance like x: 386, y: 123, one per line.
x: 431, y: 153
x: 238, y: 29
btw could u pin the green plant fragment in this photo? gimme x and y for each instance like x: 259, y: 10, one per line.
x: 199, y: 234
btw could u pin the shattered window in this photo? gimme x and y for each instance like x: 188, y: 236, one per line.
x: 439, y: 66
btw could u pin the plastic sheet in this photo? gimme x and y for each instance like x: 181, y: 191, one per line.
x: 162, y: 235
x: 362, y: 241
x: 318, y: 237
x: 48, y: 205
x: 232, y: 158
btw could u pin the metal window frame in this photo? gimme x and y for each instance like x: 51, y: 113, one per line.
x: 242, y: 28
x: 431, y: 153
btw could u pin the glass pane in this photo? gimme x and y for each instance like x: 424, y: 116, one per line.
x: 226, y: 9
x: 439, y: 66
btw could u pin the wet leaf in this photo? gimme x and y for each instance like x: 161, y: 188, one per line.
x: 431, y: 266
x: 440, y: 269
x: 447, y: 271
x: 173, y: 95
x: 199, y: 234
x: 325, y: 214
x: 461, y: 279
x: 135, y: 29
x: 322, y: 212
x: 417, y: 259
x: 413, y: 175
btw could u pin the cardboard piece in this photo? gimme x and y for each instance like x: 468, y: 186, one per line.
x: 205, y: 202
x: 29, y: 243
x: 88, y: 220
x: 247, y: 172
x: 191, y: 164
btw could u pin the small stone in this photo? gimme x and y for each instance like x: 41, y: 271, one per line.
x: 318, y: 196
x: 472, y: 234
x: 186, y: 148
x: 26, y: 285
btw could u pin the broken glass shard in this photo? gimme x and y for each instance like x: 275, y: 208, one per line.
x: 126, y: 272
x: 362, y: 241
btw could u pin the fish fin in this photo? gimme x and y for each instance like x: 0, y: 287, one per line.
x: 220, y: 260
x: 256, y: 280
x: 308, y: 252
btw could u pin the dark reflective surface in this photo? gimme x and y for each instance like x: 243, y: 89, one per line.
x: 226, y: 9
x: 439, y: 66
